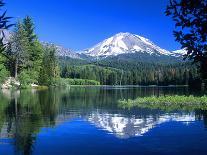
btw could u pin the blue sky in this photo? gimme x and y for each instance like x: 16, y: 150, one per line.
x: 80, y: 24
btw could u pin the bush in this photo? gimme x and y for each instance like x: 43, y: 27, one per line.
x: 25, y: 79
x: 3, y: 73
x: 61, y: 82
x: 82, y: 82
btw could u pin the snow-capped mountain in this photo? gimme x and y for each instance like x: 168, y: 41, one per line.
x: 123, y: 45
x: 126, y: 43
x: 119, y: 44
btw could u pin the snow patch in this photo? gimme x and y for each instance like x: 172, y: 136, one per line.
x: 122, y: 45
x: 137, y: 48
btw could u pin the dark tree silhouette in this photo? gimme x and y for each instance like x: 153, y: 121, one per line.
x: 190, y: 17
x: 4, y: 20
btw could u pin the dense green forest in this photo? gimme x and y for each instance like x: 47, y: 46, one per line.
x: 118, y: 72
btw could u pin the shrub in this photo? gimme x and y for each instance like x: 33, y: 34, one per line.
x: 25, y: 79
x: 3, y: 73
x: 60, y: 82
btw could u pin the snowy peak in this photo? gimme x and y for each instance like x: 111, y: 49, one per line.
x: 124, y: 43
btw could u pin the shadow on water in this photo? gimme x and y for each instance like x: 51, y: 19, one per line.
x: 23, y: 113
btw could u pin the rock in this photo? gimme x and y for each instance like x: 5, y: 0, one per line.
x: 34, y: 85
x: 10, y: 83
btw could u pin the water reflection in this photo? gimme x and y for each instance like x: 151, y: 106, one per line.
x: 126, y: 127
x: 24, y: 113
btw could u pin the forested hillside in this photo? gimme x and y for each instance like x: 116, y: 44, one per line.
x: 124, y: 72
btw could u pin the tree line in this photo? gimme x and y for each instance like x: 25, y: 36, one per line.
x: 123, y: 73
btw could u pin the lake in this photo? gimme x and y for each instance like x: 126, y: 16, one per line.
x: 88, y: 120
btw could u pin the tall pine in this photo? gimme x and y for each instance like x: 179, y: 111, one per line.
x: 50, y: 66
x: 18, y: 50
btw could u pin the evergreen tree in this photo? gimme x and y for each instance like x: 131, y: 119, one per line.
x: 4, y: 20
x: 3, y: 71
x: 18, y: 50
x: 24, y: 53
x: 30, y: 29
x: 50, y: 66
x: 36, y: 49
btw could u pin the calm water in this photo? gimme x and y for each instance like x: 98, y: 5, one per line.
x: 87, y: 120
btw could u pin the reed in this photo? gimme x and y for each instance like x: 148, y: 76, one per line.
x: 169, y: 103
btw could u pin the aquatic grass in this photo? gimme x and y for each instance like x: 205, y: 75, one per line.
x: 167, y: 103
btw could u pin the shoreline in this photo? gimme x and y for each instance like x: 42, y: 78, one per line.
x: 37, y: 87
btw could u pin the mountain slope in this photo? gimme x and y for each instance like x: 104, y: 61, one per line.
x: 126, y: 43
x: 63, y: 52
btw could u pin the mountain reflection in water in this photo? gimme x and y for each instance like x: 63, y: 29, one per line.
x: 126, y: 127
x: 24, y: 113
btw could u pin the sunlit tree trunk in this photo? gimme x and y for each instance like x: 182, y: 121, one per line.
x: 16, y: 69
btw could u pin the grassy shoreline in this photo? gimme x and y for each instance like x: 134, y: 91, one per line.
x: 77, y: 83
x: 167, y: 103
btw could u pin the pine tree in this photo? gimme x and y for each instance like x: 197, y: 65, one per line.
x: 24, y: 45
x: 18, y: 49
x: 50, y: 66
x: 36, y: 50
x: 4, y: 20
x: 29, y: 28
